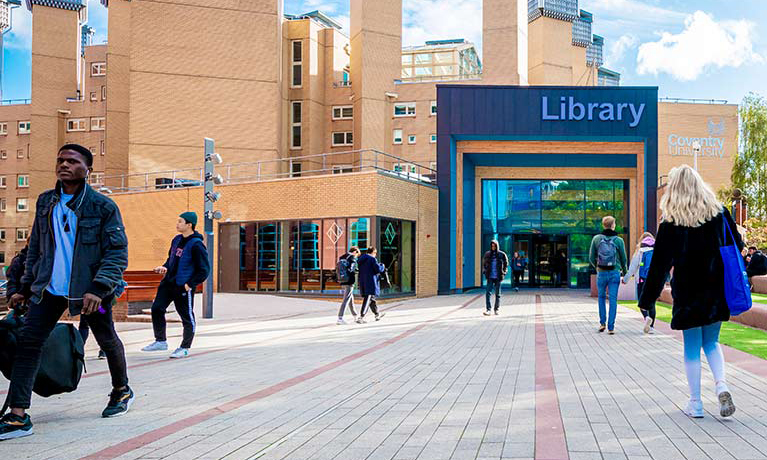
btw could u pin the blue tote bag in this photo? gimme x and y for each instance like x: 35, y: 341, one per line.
x: 737, y: 290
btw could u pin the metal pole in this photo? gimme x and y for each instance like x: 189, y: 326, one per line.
x: 207, y: 296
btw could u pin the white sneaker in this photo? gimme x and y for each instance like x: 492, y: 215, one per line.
x: 487, y: 313
x: 156, y: 346
x: 361, y: 320
x: 340, y: 321
x: 694, y: 409
x: 726, y: 406
x: 652, y: 331
x: 180, y: 353
x: 647, y: 325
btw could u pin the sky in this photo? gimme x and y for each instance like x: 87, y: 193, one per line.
x: 706, y: 49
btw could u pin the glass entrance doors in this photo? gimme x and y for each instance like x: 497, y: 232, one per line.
x: 547, y: 259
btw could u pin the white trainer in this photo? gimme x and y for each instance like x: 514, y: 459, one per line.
x: 647, y: 325
x: 180, y: 353
x: 340, y: 321
x: 156, y: 346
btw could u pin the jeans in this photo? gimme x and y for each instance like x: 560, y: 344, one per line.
x: 184, y: 303
x: 38, y: 324
x: 651, y: 312
x: 608, y: 280
x: 348, y: 300
x: 706, y: 337
x: 493, y: 285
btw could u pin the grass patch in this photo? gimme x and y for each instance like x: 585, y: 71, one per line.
x: 748, y: 339
x: 760, y: 298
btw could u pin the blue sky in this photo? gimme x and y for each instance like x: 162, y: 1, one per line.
x: 711, y: 49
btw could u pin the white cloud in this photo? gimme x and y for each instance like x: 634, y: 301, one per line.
x: 617, y: 50
x: 703, y: 44
x: 639, y: 12
x: 441, y: 19
x: 98, y: 19
x: 20, y: 36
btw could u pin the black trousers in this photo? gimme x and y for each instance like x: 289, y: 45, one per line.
x: 183, y: 300
x: 369, y: 301
x: 38, y: 324
x: 651, y: 312
x: 517, y: 276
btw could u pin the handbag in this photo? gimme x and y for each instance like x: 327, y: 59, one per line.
x: 737, y: 290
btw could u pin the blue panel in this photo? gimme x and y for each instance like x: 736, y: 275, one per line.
x: 469, y: 229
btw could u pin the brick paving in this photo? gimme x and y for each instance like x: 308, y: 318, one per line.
x: 433, y: 380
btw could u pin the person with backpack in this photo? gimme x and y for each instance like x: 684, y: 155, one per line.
x: 640, y: 267
x: 345, y: 272
x: 186, y: 268
x: 495, y: 264
x: 608, y: 256
x: 78, y: 252
x: 517, y: 269
x: 370, y: 271
x: 692, y: 230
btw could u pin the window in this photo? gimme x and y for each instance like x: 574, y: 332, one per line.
x: 98, y: 123
x: 433, y: 165
x: 3, y: 129
x: 2, y: 234
x: 411, y: 139
x: 423, y: 71
x: 2, y: 257
x: 22, y: 204
x: 97, y: 179
x: 423, y: 58
x: 343, y: 169
x: 397, y: 138
x: 295, y: 170
x: 433, y: 108
x: 407, y: 59
x: 76, y: 124
x: 407, y: 72
x: 2, y: 182
x: 23, y: 180
x: 432, y: 139
x: 295, y: 123
x: 94, y: 97
x: 342, y: 138
x: 102, y: 148
x: 405, y: 167
x: 443, y: 57
x: 3, y: 154
x: 404, y: 109
x: 22, y: 234
x: 25, y: 127
x: 103, y: 93
x: 2, y: 205
x: 98, y: 69
x: 296, y: 61
x: 20, y: 153
x: 343, y: 112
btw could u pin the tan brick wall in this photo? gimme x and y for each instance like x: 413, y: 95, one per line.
x: 504, y: 42
x: 550, y: 57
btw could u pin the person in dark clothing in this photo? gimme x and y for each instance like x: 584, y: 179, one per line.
x: 559, y: 268
x: 369, y: 272
x: 351, y: 260
x: 757, y: 264
x: 15, y: 272
x: 78, y: 252
x: 186, y: 268
x: 495, y: 264
x: 608, y: 256
x: 688, y: 240
x: 518, y: 265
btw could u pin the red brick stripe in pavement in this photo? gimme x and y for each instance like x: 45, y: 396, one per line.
x: 168, y: 430
x: 550, y: 442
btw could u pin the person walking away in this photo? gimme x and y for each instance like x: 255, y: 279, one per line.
x: 639, y: 267
x: 517, y: 269
x: 694, y: 218
x: 186, y: 268
x: 370, y: 288
x: 345, y: 272
x: 757, y: 264
x: 495, y: 264
x: 608, y: 256
x: 78, y: 252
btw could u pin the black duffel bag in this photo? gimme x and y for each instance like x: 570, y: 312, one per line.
x: 62, y: 361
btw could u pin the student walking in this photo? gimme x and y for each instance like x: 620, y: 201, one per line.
x: 78, y: 252
x: 495, y: 264
x: 517, y: 269
x: 608, y: 256
x: 694, y: 218
x: 370, y: 270
x: 640, y: 267
x: 345, y: 272
x: 186, y: 268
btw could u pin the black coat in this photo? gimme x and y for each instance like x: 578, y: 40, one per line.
x: 15, y: 272
x: 758, y: 264
x: 698, y: 283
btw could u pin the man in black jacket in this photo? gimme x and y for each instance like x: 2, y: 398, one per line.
x: 15, y: 272
x: 495, y: 264
x: 757, y: 266
x: 78, y: 252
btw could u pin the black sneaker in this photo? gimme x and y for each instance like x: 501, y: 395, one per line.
x: 378, y: 317
x: 102, y: 355
x: 119, y: 403
x: 12, y: 426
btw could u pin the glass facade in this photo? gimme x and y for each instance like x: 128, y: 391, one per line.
x: 551, y: 223
x: 301, y: 255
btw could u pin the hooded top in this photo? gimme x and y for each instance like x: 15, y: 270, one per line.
x: 501, y: 258
x: 647, y: 244
x: 187, y: 261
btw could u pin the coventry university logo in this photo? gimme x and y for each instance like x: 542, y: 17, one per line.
x: 714, y: 128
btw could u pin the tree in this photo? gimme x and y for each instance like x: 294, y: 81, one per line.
x: 756, y: 233
x: 749, y: 172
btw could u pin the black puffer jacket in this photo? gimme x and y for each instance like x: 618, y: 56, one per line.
x: 698, y: 283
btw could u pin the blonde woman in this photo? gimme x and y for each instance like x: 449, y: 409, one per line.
x: 688, y: 240
x: 640, y: 267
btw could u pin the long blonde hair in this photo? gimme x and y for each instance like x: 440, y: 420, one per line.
x: 688, y: 201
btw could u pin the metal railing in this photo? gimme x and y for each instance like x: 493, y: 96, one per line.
x: 15, y: 101
x: 427, y: 78
x: 342, y: 84
x: 677, y: 100
x: 266, y: 170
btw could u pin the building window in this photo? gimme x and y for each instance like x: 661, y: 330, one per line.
x: 76, y: 124
x: 343, y: 169
x: 345, y: 112
x: 3, y: 206
x: 411, y: 139
x: 98, y: 69
x: 22, y: 204
x: 3, y: 182
x: 407, y: 59
x: 97, y: 179
x: 3, y: 129
x: 404, y: 109
x: 23, y: 180
x: 397, y: 138
x: 295, y: 123
x: 423, y: 58
x: 98, y: 124
x: 94, y: 97
x: 103, y: 93
x: 22, y: 234
x: 2, y: 257
x: 102, y: 147
x: 405, y: 167
x: 433, y: 108
x: 2, y: 234
x: 432, y: 139
x: 20, y: 153
x: 433, y: 165
x: 342, y: 138
x: 296, y: 61
x: 295, y: 170
x: 3, y: 154
x: 25, y: 127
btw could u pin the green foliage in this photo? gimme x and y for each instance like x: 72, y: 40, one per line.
x: 756, y: 232
x: 749, y: 172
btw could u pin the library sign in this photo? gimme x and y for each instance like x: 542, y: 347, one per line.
x: 710, y: 146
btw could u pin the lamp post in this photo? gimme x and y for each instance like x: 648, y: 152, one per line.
x: 210, y: 197
x: 695, y: 152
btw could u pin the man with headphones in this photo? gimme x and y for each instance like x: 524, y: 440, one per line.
x: 78, y: 252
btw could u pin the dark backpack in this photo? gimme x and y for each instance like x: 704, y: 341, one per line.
x: 344, y: 271
x: 607, y: 252
x: 644, y: 265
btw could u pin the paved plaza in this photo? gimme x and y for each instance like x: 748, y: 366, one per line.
x: 275, y: 378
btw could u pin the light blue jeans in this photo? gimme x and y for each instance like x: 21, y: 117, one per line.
x: 608, y: 281
x: 707, y: 338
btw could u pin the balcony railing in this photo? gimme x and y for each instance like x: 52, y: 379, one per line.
x: 266, y: 170
x: 342, y: 84
x: 15, y: 101
x: 426, y: 78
